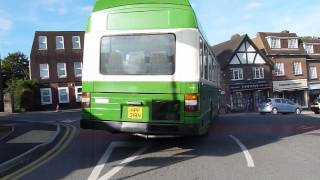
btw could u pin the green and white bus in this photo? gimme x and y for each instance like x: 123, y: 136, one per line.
x: 148, y: 69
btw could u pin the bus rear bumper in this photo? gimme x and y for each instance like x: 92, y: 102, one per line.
x: 141, y: 128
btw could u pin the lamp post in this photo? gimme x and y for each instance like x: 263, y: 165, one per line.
x: 1, y: 86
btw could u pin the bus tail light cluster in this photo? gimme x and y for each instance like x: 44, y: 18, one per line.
x: 191, y: 103
x: 85, y: 101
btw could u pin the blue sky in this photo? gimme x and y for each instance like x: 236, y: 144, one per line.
x: 220, y: 19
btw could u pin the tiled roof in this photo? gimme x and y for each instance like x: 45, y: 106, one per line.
x: 262, y: 37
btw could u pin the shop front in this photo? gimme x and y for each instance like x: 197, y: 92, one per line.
x: 295, y: 90
x: 246, y: 96
x: 314, y: 90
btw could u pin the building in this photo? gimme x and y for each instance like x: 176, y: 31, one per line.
x: 312, y: 50
x: 247, y: 73
x: 290, y: 75
x: 56, y: 63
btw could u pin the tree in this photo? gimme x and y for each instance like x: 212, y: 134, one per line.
x: 16, y: 65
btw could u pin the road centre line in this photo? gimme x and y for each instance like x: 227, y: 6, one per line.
x: 245, y: 151
x: 103, y: 160
x: 57, y: 149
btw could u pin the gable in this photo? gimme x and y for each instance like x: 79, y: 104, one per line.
x: 247, y: 54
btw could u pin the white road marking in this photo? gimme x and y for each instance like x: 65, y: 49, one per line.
x: 245, y: 151
x: 103, y: 160
x: 118, y: 168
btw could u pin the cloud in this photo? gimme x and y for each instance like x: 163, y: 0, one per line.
x: 253, y: 5
x: 5, y: 24
x: 59, y: 11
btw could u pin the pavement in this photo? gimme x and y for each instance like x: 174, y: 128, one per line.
x: 239, y: 146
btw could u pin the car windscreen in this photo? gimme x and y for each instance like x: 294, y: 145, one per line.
x: 138, y: 55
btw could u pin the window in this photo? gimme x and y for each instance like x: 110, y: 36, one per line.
x: 206, y: 63
x: 258, y: 73
x: 201, y: 58
x: 308, y: 48
x: 78, y: 93
x: 61, y: 70
x: 274, y: 43
x: 76, y: 44
x: 297, y: 70
x: 292, y: 43
x: 237, y: 74
x: 59, y: 42
x: 150, y: 55
x: 43, y: 44
x: 279, y: 69
x: 313, y: 73
x: 46, y: 97
x: 63, y: 94
x: 44, y: 71
x: 77, y: 69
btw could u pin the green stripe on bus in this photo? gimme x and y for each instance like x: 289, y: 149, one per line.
x: 142, y: 87
x: 149, y: 16
x: 106, y: 4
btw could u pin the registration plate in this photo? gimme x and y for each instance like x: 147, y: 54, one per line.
x: 135, y: 112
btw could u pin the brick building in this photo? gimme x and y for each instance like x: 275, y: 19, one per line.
x: 247, y: 73
x: 290, y: 75
x: 312, y: 50
x: 56, y: 63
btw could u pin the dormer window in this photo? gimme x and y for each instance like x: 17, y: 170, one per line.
x: 293, y: 43
x: 274, y: 42
x: 308, y: 48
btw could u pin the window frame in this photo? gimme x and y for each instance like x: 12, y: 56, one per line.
x: 296, y: 44
x: 61, y: 41
x: 46, y: 43
x: 67, y: 91
x: 260, y: 71
x: 299, y: 70
x: 307, y: 50
x: 78, y: 42
x: 239, y: 72
x: 41, y: 96
x: 315, y: 73
x: 47, y: 69
x: 74, y: 68
x: 277, y: 43
x: 77, y: 93
x: 134, y: 35
x: 65, y: 70
x: 282, y: 69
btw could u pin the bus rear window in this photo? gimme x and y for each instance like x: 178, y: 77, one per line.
x: 138, y: 55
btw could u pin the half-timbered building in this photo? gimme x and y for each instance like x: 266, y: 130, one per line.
x: 247, y: 73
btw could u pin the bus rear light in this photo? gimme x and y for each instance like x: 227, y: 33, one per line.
x: 191, y: 103
x: 85, y: 101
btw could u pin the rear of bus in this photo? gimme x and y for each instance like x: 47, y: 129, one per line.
x: 141, y: 69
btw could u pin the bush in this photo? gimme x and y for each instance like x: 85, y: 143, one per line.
x: 25, y: 95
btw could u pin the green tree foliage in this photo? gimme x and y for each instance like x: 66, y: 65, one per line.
x: 25, y: 95
x: 14, y: 67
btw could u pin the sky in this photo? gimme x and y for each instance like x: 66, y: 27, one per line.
x: 19, y: 19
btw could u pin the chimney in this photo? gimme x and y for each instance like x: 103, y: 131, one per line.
x: 235, y: 36
x: 285, y: 31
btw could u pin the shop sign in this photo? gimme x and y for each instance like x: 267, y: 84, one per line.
x: 290, y: 85
x: 250, y: 86
x: 314, y: 86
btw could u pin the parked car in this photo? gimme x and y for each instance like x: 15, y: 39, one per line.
x: 315, y: 105
x: 279, y: 105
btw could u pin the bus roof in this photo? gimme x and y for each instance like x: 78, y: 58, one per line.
x: 105, y: 4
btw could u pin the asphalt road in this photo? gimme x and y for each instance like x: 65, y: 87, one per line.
x: 239, y: 146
